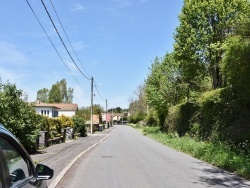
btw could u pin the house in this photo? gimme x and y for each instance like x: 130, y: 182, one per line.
x: 96, y: 122
x: 55, y: 109
x: 106, y: 116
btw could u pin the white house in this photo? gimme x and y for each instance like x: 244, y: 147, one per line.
x: 55, y: 109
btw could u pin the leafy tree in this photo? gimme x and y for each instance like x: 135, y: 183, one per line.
x: 204, y: 26
x: 162, y: 86
x: 59, y: 93
x: 138, y: 106
x: 70, y: 95
x: 43, y: 95
x: 63, y: 89
x: 18, y: 116
x: 55, y: 94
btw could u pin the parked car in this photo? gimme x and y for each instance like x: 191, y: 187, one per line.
x: 16, y: 166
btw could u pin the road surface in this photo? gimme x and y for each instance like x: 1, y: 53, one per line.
x: 130, y: 160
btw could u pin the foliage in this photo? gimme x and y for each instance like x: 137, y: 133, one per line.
x: 79, y: 125
x: 18, y: 116
x: 204, y: 26
x: 148, y: 130
x: 59, y: 93
x: 52, y: 125
x: 55, y: 94
x: 42, y: 95
x: 66, y: 121
x: 236, y: 65
x: 136, y: 118
x: 179, y: 118
x: 151, y: 118
x: 163, y: 87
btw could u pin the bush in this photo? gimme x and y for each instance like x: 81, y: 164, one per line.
x: 152, y: 119
x: 66, y: 121
x: 79, y: 125
x: 179, y: 117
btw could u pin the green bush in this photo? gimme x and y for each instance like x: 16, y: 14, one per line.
x: 151, y: 118
x: 79, y: 125
x: 179, y: 117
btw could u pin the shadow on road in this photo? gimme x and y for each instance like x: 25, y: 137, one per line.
x: 215, y: 177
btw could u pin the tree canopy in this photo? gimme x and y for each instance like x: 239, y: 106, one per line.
x: 59, y: 93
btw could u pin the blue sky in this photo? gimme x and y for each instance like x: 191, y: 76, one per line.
x: 115, y: 40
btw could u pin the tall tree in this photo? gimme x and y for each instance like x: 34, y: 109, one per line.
x: 70, y: 95
x: 204, y: 26
x: 55, y: 94
x: 161, y: 86
x: 43, y: 95
x: 58, y: 93
x: 63, y: 90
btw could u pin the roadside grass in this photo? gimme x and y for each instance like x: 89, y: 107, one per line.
x: 217, y: 154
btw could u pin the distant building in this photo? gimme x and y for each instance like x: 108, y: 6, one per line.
x: 56, y: 109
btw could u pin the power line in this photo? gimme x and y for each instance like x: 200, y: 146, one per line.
x: 98, y: 92
x: 67, y: 36
x: 52, y: 42
x: 62, y: 41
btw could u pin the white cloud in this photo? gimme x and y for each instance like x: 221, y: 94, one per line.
x: 80, y: 45
x: 78, y: 7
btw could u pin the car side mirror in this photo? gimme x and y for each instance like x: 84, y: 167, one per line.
x: 44, y: 172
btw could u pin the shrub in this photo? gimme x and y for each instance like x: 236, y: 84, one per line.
x: 79, y: 125
x: 66, y: 121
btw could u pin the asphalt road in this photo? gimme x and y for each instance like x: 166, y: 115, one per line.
x: 130, y: 160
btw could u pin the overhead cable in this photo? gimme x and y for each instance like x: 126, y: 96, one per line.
x: 67, y: 36
x: 63, y: 42
x: 52, y: 42
x: 98, y: 91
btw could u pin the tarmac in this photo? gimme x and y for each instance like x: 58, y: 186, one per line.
x: 61, y: 157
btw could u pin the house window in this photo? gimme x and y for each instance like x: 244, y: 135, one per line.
x: 42, y: 112
x: 47, y: 112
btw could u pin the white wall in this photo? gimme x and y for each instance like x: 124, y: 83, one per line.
x: 66, y: 113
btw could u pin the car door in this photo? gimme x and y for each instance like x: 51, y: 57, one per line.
x: 20, y: 169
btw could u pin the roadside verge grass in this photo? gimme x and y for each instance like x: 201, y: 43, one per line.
x: 217, y: 154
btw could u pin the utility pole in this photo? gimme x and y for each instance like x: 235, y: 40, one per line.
x: 106, y: 126
x: 91, y: 108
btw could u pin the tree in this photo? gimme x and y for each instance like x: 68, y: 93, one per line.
x: 204, y: 26
x: 138, y: 105
x: 70, y: 95
x: 43, y: 95
x: 161, y: 86
x: 55, y: 94
x: 18, y: 116
x: 63, y: 90
x: 59, y: 93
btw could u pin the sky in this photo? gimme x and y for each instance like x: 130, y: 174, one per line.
x: 116, y: 42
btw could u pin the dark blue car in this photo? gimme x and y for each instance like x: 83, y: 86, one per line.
x: 16, y: 166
